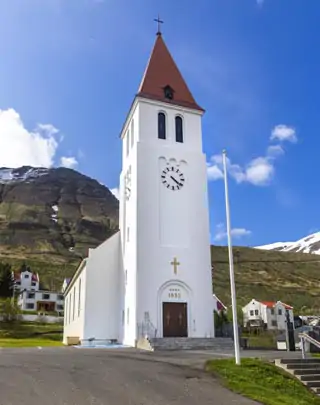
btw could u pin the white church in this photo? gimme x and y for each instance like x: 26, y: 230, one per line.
x: 152, y: 279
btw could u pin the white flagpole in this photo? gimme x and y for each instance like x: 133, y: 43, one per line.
x: 232, y: 283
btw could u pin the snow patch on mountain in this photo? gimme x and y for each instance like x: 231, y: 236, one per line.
x: 308, y: 244
x: 21, y: 174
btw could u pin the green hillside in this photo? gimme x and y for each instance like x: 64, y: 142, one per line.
x: 293, y: 278
x: 265, y: 275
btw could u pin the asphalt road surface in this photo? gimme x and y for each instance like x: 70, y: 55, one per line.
x: 69, y: 376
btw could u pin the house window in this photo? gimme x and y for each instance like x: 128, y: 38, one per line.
x: 274, y: 323
x: 45, y: 296
x: 59, y: 307
x: 132, y: 132
x: 26, y: 276
x: 127, y: 316
x: 31, y: 295
x: 272, y: 311
x: 29, y: 306
x: 256, y: 312
x: 279, y: 311
x: 128, y: 141
x: 161, y: 125
x: 251, y: 313
x: 60, y: 297
x: 179, y: 129
x: 33, y: 284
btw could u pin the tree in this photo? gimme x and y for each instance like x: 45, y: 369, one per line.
x: 9, y: 310
x: 6, y: 280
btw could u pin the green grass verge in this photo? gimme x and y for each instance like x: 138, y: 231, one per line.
x: 29, y: 342
x: 30, y: 334
x: 262, y: 382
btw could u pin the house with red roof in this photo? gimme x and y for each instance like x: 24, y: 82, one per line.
x: 268, y: 315
x: 26, y: 280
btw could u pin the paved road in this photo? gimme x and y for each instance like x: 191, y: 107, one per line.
x: 69, y: 376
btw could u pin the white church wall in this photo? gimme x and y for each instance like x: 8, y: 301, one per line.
x: 74, y: 307
x: 102, y: 291
x: 186, y: 221
x: 129, y: 324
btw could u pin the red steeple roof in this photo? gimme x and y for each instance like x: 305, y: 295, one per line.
x: 162, y: 72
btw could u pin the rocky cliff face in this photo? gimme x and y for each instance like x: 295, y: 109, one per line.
x: 54, y: 211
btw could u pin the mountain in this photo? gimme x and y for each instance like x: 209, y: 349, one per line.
x: 309, y: 244
x: 55, y: 212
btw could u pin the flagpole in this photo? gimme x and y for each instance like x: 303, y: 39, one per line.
x: 232, y: 283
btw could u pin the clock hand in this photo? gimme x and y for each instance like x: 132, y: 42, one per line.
x: 176, y: 181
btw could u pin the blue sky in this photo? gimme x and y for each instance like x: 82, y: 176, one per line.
x: 70, y: 68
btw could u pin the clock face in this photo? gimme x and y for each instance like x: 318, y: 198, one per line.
x: 128, y: 193
x: 172, y: 178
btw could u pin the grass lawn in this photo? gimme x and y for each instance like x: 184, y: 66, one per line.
x: 262, y: 382
x: 265, y: 340
x: 30, y: 334
x: 29, y: 342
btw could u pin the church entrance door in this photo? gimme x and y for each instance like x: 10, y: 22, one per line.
x: 175, y: 319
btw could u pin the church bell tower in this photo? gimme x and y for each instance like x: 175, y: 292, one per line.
x: 164, y: 215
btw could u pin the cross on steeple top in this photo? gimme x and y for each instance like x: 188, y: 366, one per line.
x: 157, y: 20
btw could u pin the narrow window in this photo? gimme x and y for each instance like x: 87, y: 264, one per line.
x: 127, y: 316
x: 123, y: 317
x: 128, y: 141
x: 70, y: 301
x: 126, y: 277
x: 132, y: 132
x: 128, y: 234
x: 161, y: 126
x: 79, y: 297
x: 179, y: 130
x: 74, y: 302
x: 66, y: 311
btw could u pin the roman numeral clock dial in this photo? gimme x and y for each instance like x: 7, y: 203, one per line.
x: 172, y: 178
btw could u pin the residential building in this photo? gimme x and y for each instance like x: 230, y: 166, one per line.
x: 268, y: 315
x: 41, y: 301
x: 26, y: 280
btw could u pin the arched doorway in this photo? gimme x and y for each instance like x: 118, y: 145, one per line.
x: 174, y: 309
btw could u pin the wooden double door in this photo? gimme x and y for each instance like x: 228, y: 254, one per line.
x: 175, y: 319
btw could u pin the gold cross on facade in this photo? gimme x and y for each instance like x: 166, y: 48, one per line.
x: 175, y: 265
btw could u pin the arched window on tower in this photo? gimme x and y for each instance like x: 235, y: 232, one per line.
x: 161, y: 125
x: 179, y: 129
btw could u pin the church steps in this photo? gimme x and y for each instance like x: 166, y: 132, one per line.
x: 158, y: 344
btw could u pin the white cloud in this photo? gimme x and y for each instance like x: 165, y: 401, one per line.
x: 69, y: 162
x: 236, y: 233
x: 283, y: 133
x: 214, y: 172
x: 258, y: 171
x: 115, y: 192
x: 19, y: 147
x: 275, y: 150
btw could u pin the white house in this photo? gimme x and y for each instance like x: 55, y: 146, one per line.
x: 154, y: 276
x: 26, y: 280
x: 267, y: 314
x: 41, y: 301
